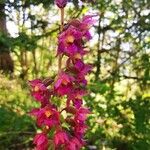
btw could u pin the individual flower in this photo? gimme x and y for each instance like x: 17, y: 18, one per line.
x: 81, y: 114
x: 84, y: 25
x: 76, y: 97
x: 60, y: 138
x: 63, y: 79
x: 82, y: 68
x: 81, y: 81
x: 69, y: 42
x: 78, y: 67
x: 39, y: 91
x: 61, y: 3
x: 41, y: 141
x: 63, y: 84
x: 46, y: 116
x: 74, y: 144
x: 77, y: 102
x: 87, y: 22
x: 79, y: 129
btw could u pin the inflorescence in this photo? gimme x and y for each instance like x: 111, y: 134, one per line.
x: 64, y: 131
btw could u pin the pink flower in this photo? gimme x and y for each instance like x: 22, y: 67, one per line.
x: 47, y: 116
x: 40, y: 91
x: 61, y: 3
x: 70, y: 41
x: 87, y: 22
x: 81, y: 114
x: 76, y: 97
x: 84, y: 25
x: 63, y: 84
x: 41, y: 141
x: 79, y: 130
x: 63, y: 79
x: 82, y: 68
x: 74, y: 144
x: 78, y: 68
x: 60, y: 138
x: 87, y: 35
x: 77, y: 103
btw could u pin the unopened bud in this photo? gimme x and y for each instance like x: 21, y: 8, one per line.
x: 71, y: 109
x: 61, y: 3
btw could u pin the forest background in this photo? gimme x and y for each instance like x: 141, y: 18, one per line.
x: 119, y: 85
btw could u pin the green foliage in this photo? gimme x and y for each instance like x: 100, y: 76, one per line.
x: 120, y: 123
x: 4, y: 44
x: 16, y: 126
x: 118, y: 87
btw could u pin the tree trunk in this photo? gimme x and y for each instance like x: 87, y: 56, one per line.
x: 6, y: 62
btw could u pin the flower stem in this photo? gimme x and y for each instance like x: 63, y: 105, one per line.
x: 62, y: 18
x: 61, y: 29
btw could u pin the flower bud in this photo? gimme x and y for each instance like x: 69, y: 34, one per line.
x: 71, y: 109
x: 61, y: 3
x: 70, y: 121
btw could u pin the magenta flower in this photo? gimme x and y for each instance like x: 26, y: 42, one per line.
x: 79, y: 130
x: 74, y: 144
x: 61, y: 3
x: 41, y: 141
x: 77, y: 103
x: 76, y: 97
x: 63, y: 84
x: 63, y: 79
x: 82, y: 82
x: 47, y: 116
x: 60, y: 138
x: 87, y: 22
x: 81, y: 114
x: 79, y: 68
x: 84, y: 25
x: 64, y: 90
x: 82, y: 68
x: 40, y: 91
x: 87, y: 35
x: 70, y: 42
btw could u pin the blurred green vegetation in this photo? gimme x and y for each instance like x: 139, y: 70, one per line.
x: 119, y: 85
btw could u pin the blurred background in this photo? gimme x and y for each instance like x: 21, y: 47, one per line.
x: 119, y: 84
